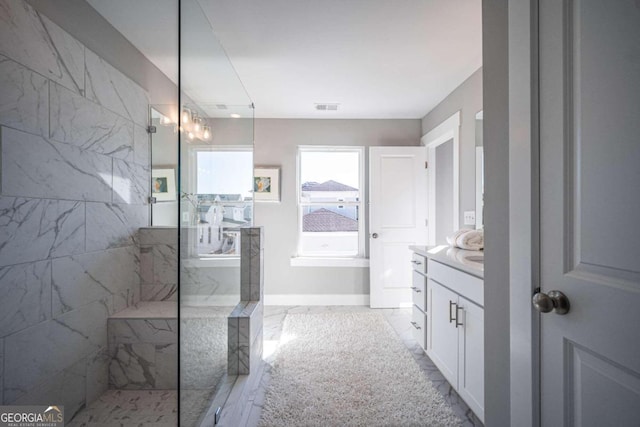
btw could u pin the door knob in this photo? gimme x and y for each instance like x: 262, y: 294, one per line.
x: 374, y: 235
x: 554, y: 300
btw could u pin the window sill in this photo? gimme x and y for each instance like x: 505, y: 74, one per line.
x: 209, y: 262
x: 329, y: 262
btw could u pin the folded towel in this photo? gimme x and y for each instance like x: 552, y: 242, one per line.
x: 471, y: 240
x: 451, y: 240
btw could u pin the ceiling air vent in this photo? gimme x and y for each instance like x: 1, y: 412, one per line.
x: 327, y: 107
x: 221, y: 106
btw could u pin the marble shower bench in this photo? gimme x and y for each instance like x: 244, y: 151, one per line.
x: 215, y: 339
x: 143, y: 347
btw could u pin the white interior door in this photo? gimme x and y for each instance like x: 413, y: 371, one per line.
x: 443, y: 155
x: 397, y: 219
x: 590, y: 192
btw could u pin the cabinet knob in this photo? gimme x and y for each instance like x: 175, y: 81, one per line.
x: 554, y: 300
x: 374, y: 235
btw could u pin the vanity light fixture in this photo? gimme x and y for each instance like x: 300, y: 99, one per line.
x: 235, y: 115
x: 197, y: 123
x: 191, y: 136
x: 206, y: 133
x: 186, y: 116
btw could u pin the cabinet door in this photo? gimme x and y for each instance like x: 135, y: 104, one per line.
x: 471, y: 360
x: 442, y: 335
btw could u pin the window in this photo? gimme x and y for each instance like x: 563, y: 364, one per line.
x: 330, y: 201
x: 222, y: 201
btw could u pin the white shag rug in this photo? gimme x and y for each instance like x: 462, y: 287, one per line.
x: 349, y: 369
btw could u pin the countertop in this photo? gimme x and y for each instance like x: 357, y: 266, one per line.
x: 453, y: 257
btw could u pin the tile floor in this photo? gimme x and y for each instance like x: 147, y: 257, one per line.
x: 158, y: 408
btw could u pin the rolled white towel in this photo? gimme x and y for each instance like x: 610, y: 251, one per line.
x: 451, y: 240
x: 471, y: 240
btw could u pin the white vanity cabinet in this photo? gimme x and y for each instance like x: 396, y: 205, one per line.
x: 419, y: 299
x: 455, y: 331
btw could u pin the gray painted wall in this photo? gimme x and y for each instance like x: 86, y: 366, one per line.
x: 276, y: 142
x: 75, y: 180
x: 466, y: 98
x: 496, y: 268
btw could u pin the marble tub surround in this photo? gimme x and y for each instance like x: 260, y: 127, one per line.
x: 71, y: 202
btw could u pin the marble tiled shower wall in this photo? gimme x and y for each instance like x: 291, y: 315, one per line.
x: 74, y: 184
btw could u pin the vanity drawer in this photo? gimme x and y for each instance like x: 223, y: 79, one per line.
x: 419, y: 263
x: 419, y: 290
x: 419, y: 322
x: 462, y: 283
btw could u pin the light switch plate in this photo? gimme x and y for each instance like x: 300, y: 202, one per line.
x: 469, y: 217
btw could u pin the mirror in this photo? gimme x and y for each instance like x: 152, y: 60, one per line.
x: 164, y: 164
x: 479, y: 171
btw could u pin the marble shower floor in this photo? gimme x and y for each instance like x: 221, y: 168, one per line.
x: 127, y: 408
x: 158, y: 408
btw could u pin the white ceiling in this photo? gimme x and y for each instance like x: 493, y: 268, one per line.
x: 376, y: 58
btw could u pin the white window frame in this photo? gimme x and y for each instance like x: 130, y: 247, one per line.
x: 361, y: 204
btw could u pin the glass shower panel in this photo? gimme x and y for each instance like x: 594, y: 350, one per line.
x: 164, y: 165
x: 215, y: 171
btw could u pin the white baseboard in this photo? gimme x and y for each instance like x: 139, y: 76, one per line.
x: 316, y: 299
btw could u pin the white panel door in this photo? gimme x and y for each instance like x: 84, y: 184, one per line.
x: 589, y: 198
x: 397, y: 219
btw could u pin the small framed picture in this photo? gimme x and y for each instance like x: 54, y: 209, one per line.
x: 266, y: 184
x: 163, y: 184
